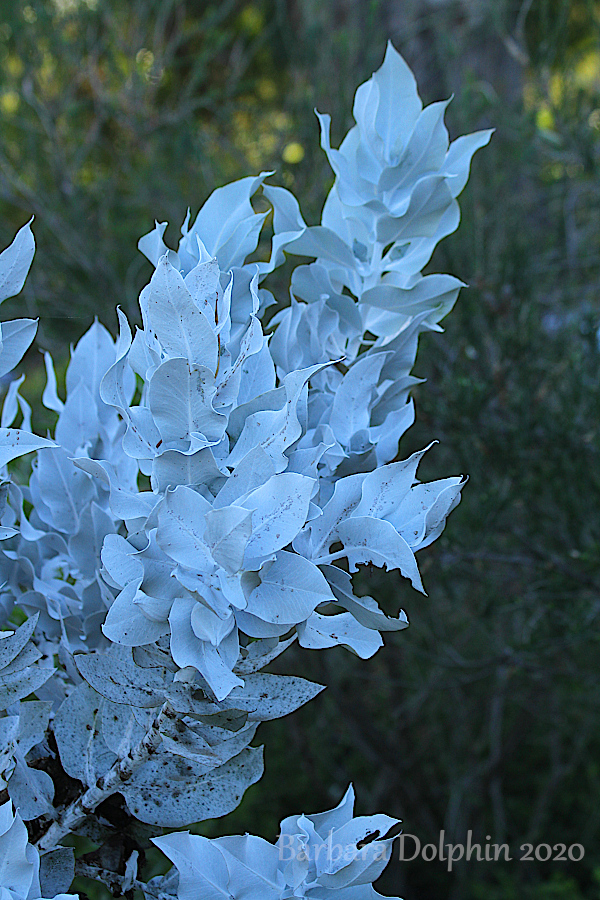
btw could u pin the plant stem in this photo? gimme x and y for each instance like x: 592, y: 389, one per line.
x: 108, y: 784
x: 118, y: 883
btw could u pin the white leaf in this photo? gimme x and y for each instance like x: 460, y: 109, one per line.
x: 78, y: 732
x: 399, y: 103
x: 15, y: 262
x: 226, y: 534
x: 280, y: 510
x: 319, y: 632
x: 368, y: 540
x: 181, y: 527
x: 194, y: 794
x: 201, y: 866
x: 265, y: 697
x: 16, y: 338
x: 15, y: 443
x: 114, y: 675
x: 180, y: 398
x: 175, y: 320
x: 290, y: 589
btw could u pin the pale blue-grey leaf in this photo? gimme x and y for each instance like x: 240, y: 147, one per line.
x: 12, y: 644
x: 291, y: 588
x: 31, y: 790
x: 33, y: 721
x: 423, y: 512
x: 57, y: 871
x: 181, y: 527
x: 224, y: 212
x: 253, y: 866
x: 266, y: 696
x: 425, y: 152
x: 173, y: 317
x: 397, y: 91
x: 368, y: 540
x: 15, y: 262
x: 253, y: 470
x: 180, y: 397
x: 194, y: 794
x: 50, y: 397
x: 429, y: 200
x: 126, y: 623
x: 120, y: 728
x: 460, y: 153
x: 78, y: 732
x: 15, y: 443
x: 174, y: 467
x: 364, y: 609
x: 203, y: 284
x: 10, y: 407
x: 320, y: 631
x: 16, y: 338
x: 189, y: 650
x: 78, y: 421
x: 201, y: 865
x: 350, y: 410
x: 384, y: 489
x: 280, y: 510
x: 226, y: 534
x: 20, y: 684
x: 428, y: 292
x: 18, y: 867
x: 260, y: 653
x: 152, y: 244
x: 91, y: 358
x: 114, y: 675
x: 63, y: 488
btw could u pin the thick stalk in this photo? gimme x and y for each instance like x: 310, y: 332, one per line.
x: 118, y: 884
x: 108, y: 784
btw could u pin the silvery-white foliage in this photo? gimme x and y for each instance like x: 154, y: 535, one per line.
x: 206, y: 495
x: 53, y: 567
x: 394, y: 198
x: 20, y: 873
x: 203, y: 754
x: 15, y: 339
x: 255, y: 449
x: 223, y: 548
x: 22, y: 672
x: 206, y: 767
x: 324, y: 856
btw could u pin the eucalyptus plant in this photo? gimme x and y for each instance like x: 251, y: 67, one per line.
x: 209, y: 489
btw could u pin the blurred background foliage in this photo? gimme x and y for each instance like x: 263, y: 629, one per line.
x: 484, y: 716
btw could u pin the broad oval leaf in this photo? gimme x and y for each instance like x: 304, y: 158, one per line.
x: 195, y: 793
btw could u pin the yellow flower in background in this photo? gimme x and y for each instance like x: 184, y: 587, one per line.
x: 252, y: 19
x: 266, y: 89
x: 544, y: 118
x: 14, y: 65
x: 9, y: 103
x: 293, y: 153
